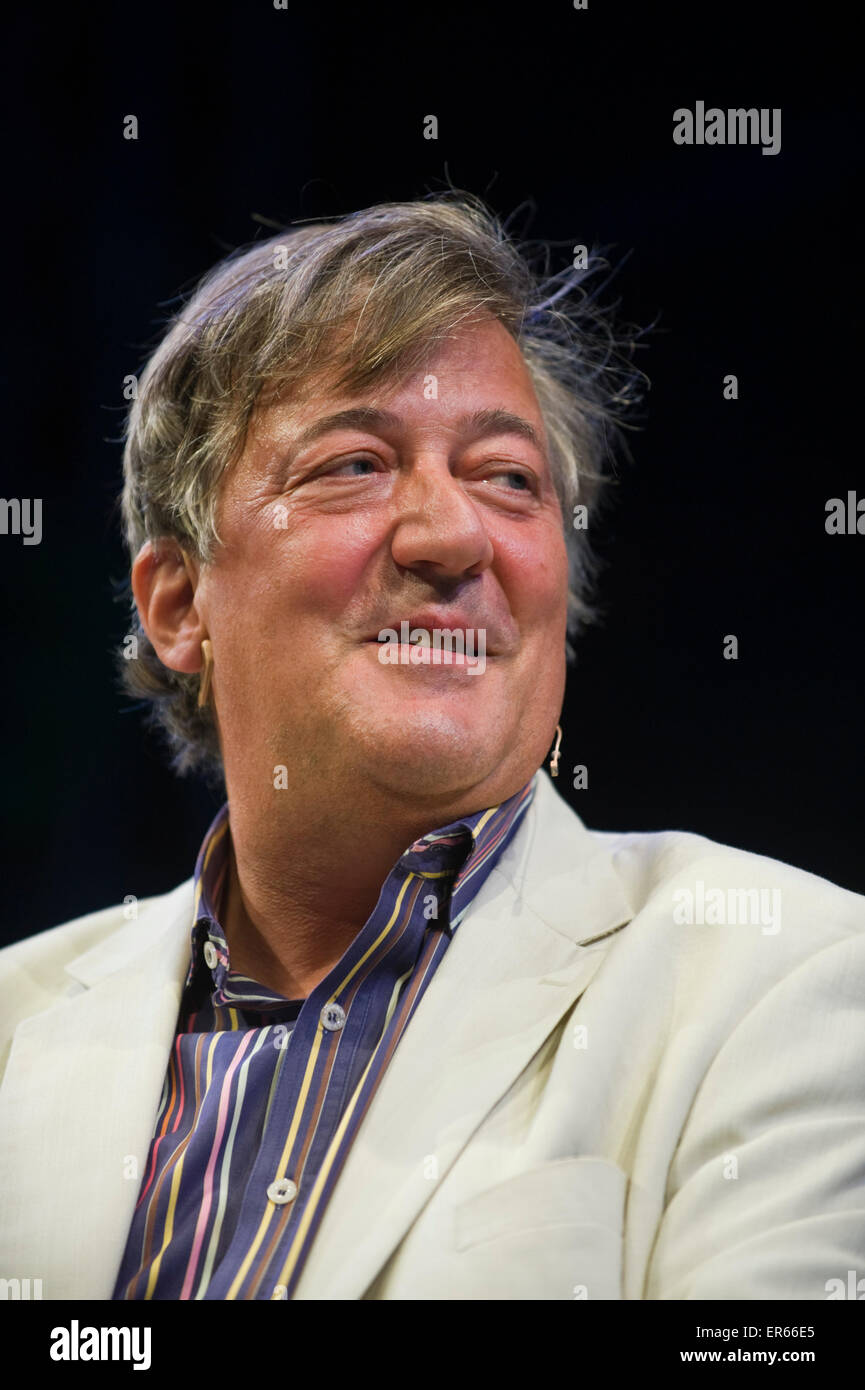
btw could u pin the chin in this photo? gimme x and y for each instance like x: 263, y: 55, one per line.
x: 429, y: 748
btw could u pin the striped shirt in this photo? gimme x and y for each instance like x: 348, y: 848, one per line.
x: 263, y: 1095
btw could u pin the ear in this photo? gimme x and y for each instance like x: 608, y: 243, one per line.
x: 164, y: 582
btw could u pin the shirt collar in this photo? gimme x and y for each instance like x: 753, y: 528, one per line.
x: 472, y: 839
x: 211, y: 868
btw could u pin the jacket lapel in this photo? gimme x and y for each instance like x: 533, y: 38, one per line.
x: 522, y: 955
x: 79, y: 1098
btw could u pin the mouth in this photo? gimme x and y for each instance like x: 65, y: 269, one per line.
x: 436, y: 631
x: 423, y: 654
x: 430, y: 640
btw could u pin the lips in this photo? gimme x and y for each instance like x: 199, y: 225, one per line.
x: 430, y: 621
x: 465, y: 639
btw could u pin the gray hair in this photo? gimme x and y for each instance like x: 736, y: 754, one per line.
x: 269, y: 316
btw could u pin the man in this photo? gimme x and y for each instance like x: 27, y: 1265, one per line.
x: 411, y: 1031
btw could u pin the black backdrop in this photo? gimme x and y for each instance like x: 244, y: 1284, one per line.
x: 749, y: 263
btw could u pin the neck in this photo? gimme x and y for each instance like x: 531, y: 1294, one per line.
x: 305, y: 876
x: 295, y: 899
x: 308, y: 861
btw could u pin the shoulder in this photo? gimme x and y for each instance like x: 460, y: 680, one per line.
x: 52, y: 964
x: 697, y: 916
x: 659, y: 869
x: 697, y: 881
x: 731, y: 942
x: 47, y: 952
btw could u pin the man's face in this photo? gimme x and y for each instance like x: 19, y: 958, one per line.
x: 430, y: 513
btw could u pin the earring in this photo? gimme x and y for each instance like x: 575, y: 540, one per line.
x: 204, y: 687
x: 554, y: 760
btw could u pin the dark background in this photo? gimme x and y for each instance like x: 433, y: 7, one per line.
x: 749, y: 264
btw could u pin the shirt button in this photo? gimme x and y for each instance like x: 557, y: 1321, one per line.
x: 332, y: 1017
x: 211, y: 959
x: 279, y: 1291
x: 282, y: 1191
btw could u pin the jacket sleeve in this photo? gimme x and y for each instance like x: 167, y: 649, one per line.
x: 766, y: 1190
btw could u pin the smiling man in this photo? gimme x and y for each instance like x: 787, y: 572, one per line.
x: 410, y: 1030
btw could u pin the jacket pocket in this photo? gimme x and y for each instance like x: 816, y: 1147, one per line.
x: 551, y: 1232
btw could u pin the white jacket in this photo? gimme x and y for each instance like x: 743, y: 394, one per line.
x: 595, y: 1099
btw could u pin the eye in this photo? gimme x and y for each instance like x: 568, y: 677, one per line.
x: 524, y: 483
x: 359, y: 462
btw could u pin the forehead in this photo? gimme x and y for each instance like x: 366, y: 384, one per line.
x: 476, y: 368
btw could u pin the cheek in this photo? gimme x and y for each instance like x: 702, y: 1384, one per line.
x: 535, y: 573
x: 330, y: 564
x: 316, y: 565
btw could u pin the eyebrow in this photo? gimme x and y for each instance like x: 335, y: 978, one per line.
x: 476, y: 423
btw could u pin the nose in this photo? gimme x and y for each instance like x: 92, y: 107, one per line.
x: 439, y: 530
